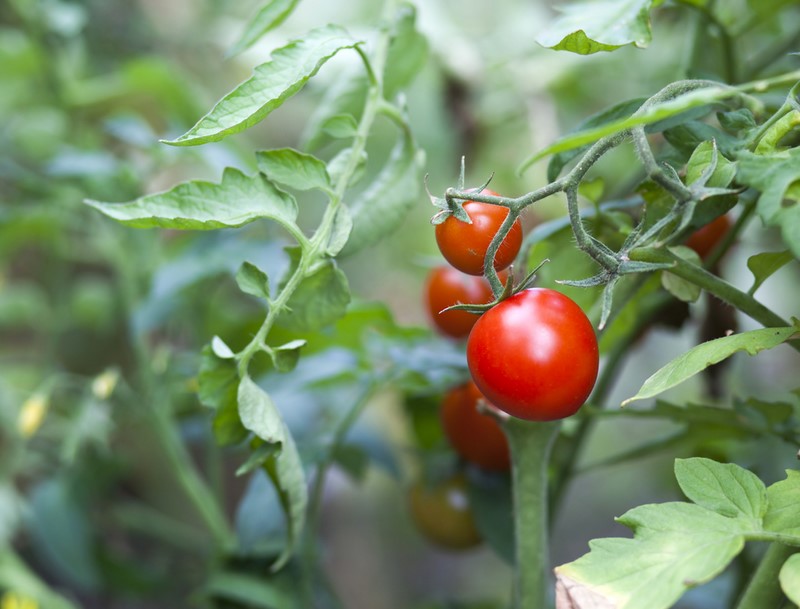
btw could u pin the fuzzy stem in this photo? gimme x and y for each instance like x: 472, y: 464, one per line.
x: 530, y: 444
x: 764, y: 591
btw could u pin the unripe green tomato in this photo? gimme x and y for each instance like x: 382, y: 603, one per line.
x: 443, y: 515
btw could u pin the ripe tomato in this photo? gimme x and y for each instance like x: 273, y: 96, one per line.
x: 447, y: 286
x: 534, y: 355
x: 464, y: 245
x: 705, y: 238
x: 476, y: 437
x: 443, y: 515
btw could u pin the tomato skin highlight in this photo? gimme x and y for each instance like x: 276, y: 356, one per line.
x: 705, y: 238
x: 445, y: 287
x: 476, y: 437
x: 443, y: 515
x: 534, y: 355
x: 465, y: 245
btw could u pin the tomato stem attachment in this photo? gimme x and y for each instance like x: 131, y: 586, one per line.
x: 530, y: 443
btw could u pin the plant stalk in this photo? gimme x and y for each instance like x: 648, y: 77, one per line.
x: 764, y: 590
x: 530, y: 444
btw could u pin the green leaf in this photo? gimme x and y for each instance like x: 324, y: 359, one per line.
x: 702, y: 158
x: 340, y: 233
x: 790, y: 578
x: 763, y: 265
x: 774, y: 175
x: 340, y: 126
x: 491, y: 503
x: 783, y: 498
x: 706, y: 354
x: 258, y: 456
x: 285, y: 357
x: 381, y: 208
x: 352, y: 459
x: 687, y: 101
x: 16, y: 576
x: 338, y: 164
x: 220, y: 349
x: 680, y: 288
x: 688, y: 135
x: 320, y: 299
x: 408, y: 52
x: 726, y: 489
x: 268, y: 17
x: 591, y: 26
x: 252, y: 280
x: 62, y: 534
x: 218, y: 382
x: 272, y: 83
x: 237, y: 200
x: 257, y: 591
x: 260, y: 416
x: 676, y: 546
x: 737, y: 120
x: 294, y: 169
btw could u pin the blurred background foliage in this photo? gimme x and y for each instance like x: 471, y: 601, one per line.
x: 87, y: 88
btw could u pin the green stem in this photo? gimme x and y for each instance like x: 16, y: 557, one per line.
x: 713, y: 284
x: 530, y: 444
x: 764, y: 591
x: 160, y: 414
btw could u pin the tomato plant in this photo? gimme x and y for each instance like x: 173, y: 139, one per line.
x: 445, y: 287
x: 465, y: 245
x: 705, y: 238
x: 443, y: 515
x: 534, y: 355
x: 475, y: 436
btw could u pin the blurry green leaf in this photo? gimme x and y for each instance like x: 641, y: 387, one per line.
x: 423, y: 415
x: 17, y: 576
x: 763, y: 265
x: 352, y: 459
x: 790, y: 578
x: 268, y: 17
x: 706, y: 354
x: 258, y: 456
x: 617, y: 111
x: 736, y: 120
x: 218, y: 382
x: 259, y: 592
x: 678, y: 287
x: 604, y: 25
x: 490, y: 499
x: 691, y: 134
x: 285, y: 357
x: 260, y: 523
x: 272, y: 83
x: 338, y: 164
x: 382, y: 207
x: 340, y: 233
x: 408, y: 53
x: 252, y: 280
x: 702, y: 158
x: 236, y: 200
x: 62, y: 535
x: 726, y: 489
x: 773, y: 175
x: 294, y: 169
x: 260, y: 416
x: 320, y: 299
x: 783, y: 498
x: 220, y: 349
x: 340, y: 126
x: 692, y: 99
x: 346, y: 96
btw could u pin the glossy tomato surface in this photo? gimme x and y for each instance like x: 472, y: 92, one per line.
x: 476, y: 437
x: 445, y: 287
x: 443, y: 515
x: 704, y: 239
x: 534, y: 355
x: 465, y: 245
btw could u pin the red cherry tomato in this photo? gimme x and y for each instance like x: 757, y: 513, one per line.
x: 534, y: 355
x: 443, y: 515
x: 464, y: 245
x: 477, y: 437
x: 705, y: 238
x: 447, y: 286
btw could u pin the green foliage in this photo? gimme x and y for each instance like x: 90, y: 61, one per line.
x: 680, y: 545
